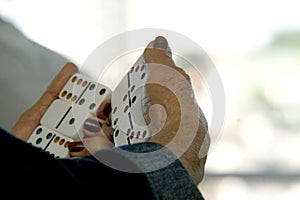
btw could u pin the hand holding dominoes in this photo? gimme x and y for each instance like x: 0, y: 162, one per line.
x: 185, y: 129
x: 170, y: 113
x: 78, y: 101
x: 30, y: 119
x: 80, y: 98
x: 132, y: 115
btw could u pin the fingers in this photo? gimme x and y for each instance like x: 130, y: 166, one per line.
x: 88, y: 146
x: 98, y: 133
x: 104, y: 109
x: 95, y: 126
x: 30, y: 119
x: 104, y: 116
x: 97, y: 136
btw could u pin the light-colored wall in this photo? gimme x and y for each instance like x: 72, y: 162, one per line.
x: 26, y: 69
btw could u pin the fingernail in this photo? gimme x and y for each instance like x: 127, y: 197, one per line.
x: 76, y: 146
x: 161, y: 43
x: 107, y: 110
x: 92, y: 125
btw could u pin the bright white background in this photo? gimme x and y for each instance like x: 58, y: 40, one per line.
x: 254, y: 45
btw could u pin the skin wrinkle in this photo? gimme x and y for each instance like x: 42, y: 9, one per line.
x: 159, y: 114
x: 190, y: 158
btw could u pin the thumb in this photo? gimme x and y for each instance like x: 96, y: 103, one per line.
x: 158, y: 51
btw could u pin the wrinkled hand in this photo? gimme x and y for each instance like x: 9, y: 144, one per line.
x: 170, y: 109
x: 97, y: 132
x: 30, y: 119
x: 174, y: 118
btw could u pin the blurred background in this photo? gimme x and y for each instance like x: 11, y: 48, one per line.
x: 255, y: 46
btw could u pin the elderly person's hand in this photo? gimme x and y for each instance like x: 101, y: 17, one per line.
x: 170, y: 109
x: 97, y: 134
x: 169, y: 106
x: 30, y: 119
x: 174, y: 118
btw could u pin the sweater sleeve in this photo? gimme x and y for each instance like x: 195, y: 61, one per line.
x: 138, y: 171
x: 165, y: 174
